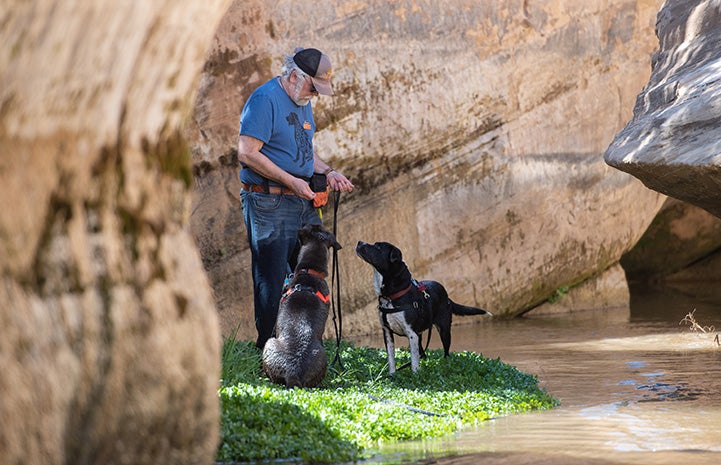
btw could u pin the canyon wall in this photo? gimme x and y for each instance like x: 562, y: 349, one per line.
x: 473, y: 131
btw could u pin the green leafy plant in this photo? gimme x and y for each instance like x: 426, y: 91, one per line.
x: 359, y: 406
x: 559, y: 294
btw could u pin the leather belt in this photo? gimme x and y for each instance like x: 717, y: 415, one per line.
x: 268, y: 189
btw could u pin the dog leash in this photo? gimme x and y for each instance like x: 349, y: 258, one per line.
x: 335, y: 284
x: 406, y: 406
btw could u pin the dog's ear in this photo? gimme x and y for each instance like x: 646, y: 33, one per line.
x: 395, y: 256
x: 304, y: 234
x: 330, y: 240
x: 336, y: 245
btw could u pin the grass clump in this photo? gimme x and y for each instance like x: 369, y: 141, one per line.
x: 360, y: 406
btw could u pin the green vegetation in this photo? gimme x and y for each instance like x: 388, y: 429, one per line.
x: 360, y: 406
x: 559, y: 294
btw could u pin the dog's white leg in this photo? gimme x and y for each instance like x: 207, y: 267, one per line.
x: 390, y: 350
x: 413, y: 340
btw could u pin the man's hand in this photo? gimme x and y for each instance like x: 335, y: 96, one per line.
x: 338, y: 182
x: 301, y: 188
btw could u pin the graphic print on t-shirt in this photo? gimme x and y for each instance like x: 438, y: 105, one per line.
x: 302, y: 141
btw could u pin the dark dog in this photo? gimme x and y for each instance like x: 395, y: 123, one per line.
x: 295, y: 356
x: 407, y: 307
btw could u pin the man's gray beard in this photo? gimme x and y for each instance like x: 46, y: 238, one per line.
x: 297, y: 87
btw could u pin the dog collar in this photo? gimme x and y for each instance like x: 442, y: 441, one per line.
x: 405, y: 291
x: 400, y: 293
x: 312, y: 272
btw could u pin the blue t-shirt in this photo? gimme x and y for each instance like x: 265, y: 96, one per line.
x: 285, y: 129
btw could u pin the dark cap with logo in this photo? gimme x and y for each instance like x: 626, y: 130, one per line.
x: 316, y: 65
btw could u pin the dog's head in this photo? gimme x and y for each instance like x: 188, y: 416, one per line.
x: 314, y: 233
x: 314, y: 243
x: 385, y: 257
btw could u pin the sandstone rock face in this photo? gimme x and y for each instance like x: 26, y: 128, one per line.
x: 473, y: 131
x: 110, y: 340
x: 672, y: 142
x: 610, y: 287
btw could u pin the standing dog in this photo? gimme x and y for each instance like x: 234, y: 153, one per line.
x: 295, y: 356
x: 407, y: 307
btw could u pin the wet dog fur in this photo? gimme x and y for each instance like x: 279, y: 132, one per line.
x: 407, y: 307
x: 295, y: 356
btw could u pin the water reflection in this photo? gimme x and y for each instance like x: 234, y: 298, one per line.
x: 635, y: 387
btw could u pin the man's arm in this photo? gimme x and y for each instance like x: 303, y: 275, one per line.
x: 249, y: 155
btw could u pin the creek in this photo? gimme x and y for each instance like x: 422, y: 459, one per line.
x: 636, y: 385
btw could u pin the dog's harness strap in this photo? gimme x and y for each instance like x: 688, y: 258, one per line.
x: 386, y: 304
x: 323, y: 298
x: 299, y: 288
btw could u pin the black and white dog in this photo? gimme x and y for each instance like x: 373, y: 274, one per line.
x: 295, y: 356
x: 407, y: 307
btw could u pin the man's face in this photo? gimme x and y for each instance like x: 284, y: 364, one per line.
x: 302, y: 90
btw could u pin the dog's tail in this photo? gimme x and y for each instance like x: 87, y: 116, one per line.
x: 465, y: 310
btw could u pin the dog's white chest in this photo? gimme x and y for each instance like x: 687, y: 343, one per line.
x: 377, y: 282
x: 397, y: 323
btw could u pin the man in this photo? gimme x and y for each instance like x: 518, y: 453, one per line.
x: 275, y: 150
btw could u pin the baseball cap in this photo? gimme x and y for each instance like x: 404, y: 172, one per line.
x: 316, y: 65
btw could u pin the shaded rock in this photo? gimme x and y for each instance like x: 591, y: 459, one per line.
x: 704, y: 271
x: 110, y: 341
x: 680, y: 236
x: 672, y: 143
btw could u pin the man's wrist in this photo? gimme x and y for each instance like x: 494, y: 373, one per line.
x: 328, y: 170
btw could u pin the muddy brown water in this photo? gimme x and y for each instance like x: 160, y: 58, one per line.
x: 635, y: 386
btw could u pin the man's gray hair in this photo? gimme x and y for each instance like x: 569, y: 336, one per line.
x: 289, y: 66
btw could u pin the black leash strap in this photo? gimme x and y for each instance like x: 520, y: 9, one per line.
x: 335, y: 284
x: 406, y: 406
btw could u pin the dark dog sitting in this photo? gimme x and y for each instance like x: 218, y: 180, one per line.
x: 295, y: 356
x: 407, y: 307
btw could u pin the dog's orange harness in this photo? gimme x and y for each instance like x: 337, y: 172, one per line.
x: 297, y: 288
x: 323, y: 297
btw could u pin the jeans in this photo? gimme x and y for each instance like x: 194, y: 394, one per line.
x: 272, y: 222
